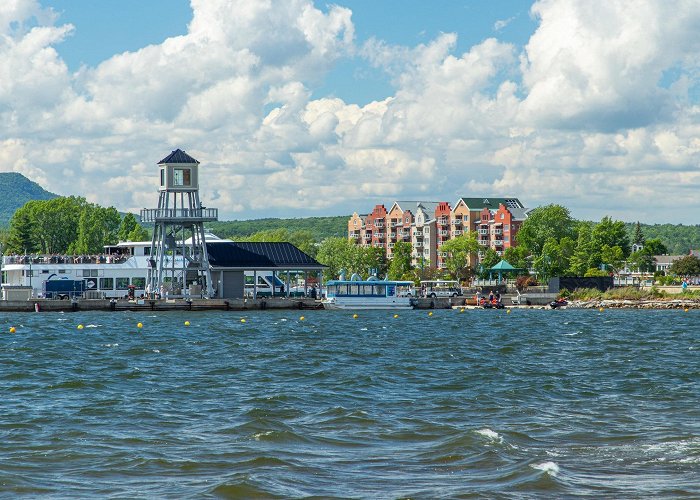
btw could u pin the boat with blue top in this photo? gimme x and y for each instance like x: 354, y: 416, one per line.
x: 372, y: 293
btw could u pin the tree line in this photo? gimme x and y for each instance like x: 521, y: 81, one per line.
x: 69, y: 225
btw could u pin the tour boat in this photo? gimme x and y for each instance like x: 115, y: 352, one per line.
x: 372, y: 293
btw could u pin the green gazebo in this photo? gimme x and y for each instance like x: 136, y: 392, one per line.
x: 501, y: 268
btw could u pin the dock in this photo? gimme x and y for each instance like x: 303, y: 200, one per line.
x: 48, y: 305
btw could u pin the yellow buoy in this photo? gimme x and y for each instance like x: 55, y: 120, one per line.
x: 461, y: 310
x: 354, y: 316
x: 686, y: 309
x: 80, y: 327
x: 396, y: 315
x: 187, y: 323
x: 601, y: 309
x: 12, y: 329
x: 430, y: 313
x: 139, y: 325
x: 242, y: 320
x: 301, y: 318
x: 507, y: 311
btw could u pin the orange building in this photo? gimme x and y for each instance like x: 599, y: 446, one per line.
x: 427, y: 225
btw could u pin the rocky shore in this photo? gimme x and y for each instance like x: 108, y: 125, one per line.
x: 637, y: 304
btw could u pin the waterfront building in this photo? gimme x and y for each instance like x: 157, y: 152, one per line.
x: 427, y: 225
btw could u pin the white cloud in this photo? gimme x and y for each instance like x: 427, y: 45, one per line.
x: 595, y: 112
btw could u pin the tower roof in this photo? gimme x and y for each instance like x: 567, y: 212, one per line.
x: 178, y: 156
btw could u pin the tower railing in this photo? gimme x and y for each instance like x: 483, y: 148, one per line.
x: 182, y: 214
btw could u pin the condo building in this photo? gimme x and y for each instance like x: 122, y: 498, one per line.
x: 426, y: 225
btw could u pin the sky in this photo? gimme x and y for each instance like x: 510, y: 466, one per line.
x: 299, y: 108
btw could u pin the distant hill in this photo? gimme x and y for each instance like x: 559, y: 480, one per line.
x: 15, y: 191
x: 320, y: 227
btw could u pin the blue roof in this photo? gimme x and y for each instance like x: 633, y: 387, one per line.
x: 178, y: 156
x: 259, y: 255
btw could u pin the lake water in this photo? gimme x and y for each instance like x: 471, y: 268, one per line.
x: 458, y: 404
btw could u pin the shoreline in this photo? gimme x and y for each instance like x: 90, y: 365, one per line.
x: 635, y: 304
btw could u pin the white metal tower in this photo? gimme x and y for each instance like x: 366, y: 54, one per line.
x: 178, y: 249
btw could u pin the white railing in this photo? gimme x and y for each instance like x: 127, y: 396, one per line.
x: 157, y: 214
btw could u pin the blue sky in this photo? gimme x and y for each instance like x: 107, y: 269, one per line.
x: 303, y: 107
x: 105, y: 28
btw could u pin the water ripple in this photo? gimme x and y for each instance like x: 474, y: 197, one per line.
x: 476, y: 404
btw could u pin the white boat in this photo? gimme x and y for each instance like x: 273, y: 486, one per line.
x: 114, y: 273
x: 372, y: 293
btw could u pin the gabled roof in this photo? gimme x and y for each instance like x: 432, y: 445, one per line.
x: 491, y: 203
x: 259, y: 255
x: 178, y: 156
x: 429, y: 206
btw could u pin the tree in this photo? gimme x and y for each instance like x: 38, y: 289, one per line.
x: 127, y: 225
x: 459, y: 252
x: 55, y: 223
x: 400, y: 264
x: 551, y: 261
x: 686, y: 266
x: 543, y: 223
x: 516, y: 257
x: 374, y: 260
x: 612, y: 257
x: 641, y: 261
x: 580, y: 261
x: 638, y: 238
x: 336, y: 254
x: 489, y: 259
x: 655, y: 247
x: 97, y: 227
x: 21, y: 234
x: 611, y: 233
x: 139, y: 233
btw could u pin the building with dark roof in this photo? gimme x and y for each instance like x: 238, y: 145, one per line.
x: 427, y: 225
x: 231, y: 260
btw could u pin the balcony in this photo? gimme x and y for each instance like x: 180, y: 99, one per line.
x: 456, y: 232
x: 484, y: 242
x: 483, y: 231
x: 390, y: 245
x: 179, y: 214
x: 418, y: 244
x: 378, y: 223
x: 418, y: 233
x: 497, y: 231
x: 457, y: 222
x: 444, y: 232
x: 443, y: 221
x: 498, y: 243
x: 367, y: 236
x: 392, y: 235
x: 380, y: 235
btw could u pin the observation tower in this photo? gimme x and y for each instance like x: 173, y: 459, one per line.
x: 179, y: 259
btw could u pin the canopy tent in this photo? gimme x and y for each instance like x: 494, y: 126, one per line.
x: 502, y: 268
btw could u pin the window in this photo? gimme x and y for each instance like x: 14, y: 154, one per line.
x: 503, y: 216
x: 181, y: 177
x: 162, y: 177
x: 29, y: 272
x: 426, y: 230
x: 122, y: 283
x: 89, y: 273
x: 139, y: 283
x: 106, y: 283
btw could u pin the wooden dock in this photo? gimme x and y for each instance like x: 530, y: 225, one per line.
x: 46, y: 305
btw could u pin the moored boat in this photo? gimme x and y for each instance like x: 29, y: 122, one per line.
x: 371, y: 293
